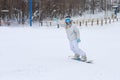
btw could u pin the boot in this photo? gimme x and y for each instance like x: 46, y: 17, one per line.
x: 83, y: 58
x: 76, y: 56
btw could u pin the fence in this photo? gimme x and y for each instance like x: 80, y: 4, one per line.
x: 83, y: 22
x: 97, y: 21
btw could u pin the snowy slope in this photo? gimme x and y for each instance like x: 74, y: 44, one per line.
x: 28, y: 53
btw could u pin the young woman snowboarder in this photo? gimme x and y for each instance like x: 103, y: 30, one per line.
x: 73, y: 36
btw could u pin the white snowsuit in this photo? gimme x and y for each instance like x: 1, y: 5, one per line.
x: 73, y: 34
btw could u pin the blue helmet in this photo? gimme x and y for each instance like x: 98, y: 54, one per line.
x: 68, y: 20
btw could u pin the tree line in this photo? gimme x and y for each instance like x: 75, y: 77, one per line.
x: 49, y: 9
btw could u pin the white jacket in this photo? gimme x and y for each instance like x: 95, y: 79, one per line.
x: 73, y: 33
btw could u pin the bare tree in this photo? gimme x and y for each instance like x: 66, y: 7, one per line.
x: 48, y: 9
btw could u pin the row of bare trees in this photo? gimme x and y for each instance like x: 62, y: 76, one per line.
x: 44, y: 9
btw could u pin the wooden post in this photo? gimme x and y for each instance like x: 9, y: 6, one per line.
x: 109, y: 20
x: 101, y: 22
x: 105, y: 20
x: 0, y: 22
x: 92, y: 22
x: 8, y: 23
x: 97, y: 21
x: 80, y: 23
x: 113, y: 19
x: 77, y: 22
x: 50, y: 23
x: 41, y: 23
x: 86, y: 23
x: 117, y: 19
x: 58, y: 26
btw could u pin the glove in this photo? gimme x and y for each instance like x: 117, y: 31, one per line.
x: 78, y: 40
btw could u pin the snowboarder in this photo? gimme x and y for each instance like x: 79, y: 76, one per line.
x: 73, y: 36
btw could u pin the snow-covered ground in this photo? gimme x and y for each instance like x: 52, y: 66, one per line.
x: 40, y: 53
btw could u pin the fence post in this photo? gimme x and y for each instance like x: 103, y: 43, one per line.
x: 41, y: 23
x: 58, y: 26
x: 113, y: 19
x: 80, y: 23
x: 105, y: 20
x: 97, y: 21
x: 86, y: 23
x: 117, y: 18
x: 109, y: 20
x: 0, y: 21
x: 77, y: 22
x: 50, y: 23
x: 8, y: 23
x: 92, y: 22
x: 101, y: 22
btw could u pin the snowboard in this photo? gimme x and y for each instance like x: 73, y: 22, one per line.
x: 88, y: 61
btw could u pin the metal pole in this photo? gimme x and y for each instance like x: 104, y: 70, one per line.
x: 30, y: 11
x: 106, y: 15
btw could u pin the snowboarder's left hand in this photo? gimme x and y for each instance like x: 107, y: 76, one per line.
x: 78, y: 40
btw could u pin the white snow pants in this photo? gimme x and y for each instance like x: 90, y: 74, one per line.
x: 74, y: 47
